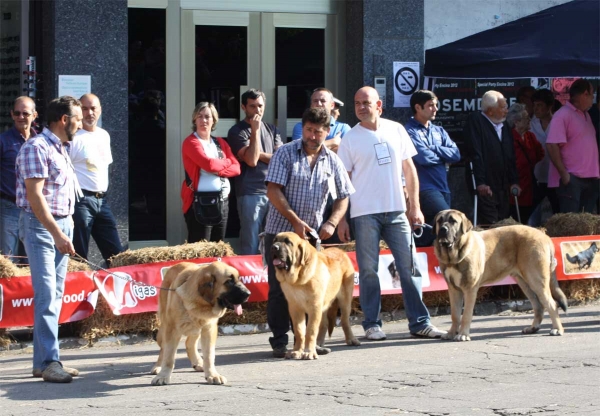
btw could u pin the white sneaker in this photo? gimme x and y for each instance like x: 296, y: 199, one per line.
x: 430, y: 331
x: 375, y: 334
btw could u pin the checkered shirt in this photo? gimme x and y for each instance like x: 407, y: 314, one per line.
x: 44, y: 156
x: 305, y: 191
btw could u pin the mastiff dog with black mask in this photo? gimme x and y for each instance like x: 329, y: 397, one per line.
x: 470, y: 259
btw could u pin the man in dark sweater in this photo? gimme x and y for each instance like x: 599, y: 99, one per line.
x: 489, y: 144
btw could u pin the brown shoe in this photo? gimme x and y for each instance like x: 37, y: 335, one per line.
x: 37, y: 373
x: 55, y: 373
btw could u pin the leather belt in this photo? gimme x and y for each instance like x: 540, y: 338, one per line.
x: 94, y: 194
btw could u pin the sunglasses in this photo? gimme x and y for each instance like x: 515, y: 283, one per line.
x: 25, y: 114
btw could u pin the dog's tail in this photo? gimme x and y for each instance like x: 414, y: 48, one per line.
x: 571, y: 259
x: 332, y: 316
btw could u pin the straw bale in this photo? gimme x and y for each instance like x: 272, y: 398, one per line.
x: 505, y: 222
x: 254, y: 313
x: 7, y: 268
x: 573, y: 224
x: 583, y: 290
x: 146, y: 255
x: 103, y: 323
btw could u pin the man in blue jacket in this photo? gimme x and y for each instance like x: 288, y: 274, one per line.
x: 435, y: 151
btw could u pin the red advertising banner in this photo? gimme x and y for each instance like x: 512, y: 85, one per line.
x: 16, y: 299
x: 135, y: 289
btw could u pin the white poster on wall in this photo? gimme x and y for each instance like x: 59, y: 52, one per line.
x: 74, y: 85
x: 406, y: 82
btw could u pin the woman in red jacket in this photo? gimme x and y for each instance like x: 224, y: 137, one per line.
x: 207, y: 171
x: 528, y: 152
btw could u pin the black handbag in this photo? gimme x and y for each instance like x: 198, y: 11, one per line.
x: 208, y: 206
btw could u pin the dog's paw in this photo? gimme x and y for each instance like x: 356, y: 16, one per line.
x: 155, y: 370
x: 353, y: 342
x: 294, y: 355
x: 556, y: 332
x: 216, y: 378
x: 322, y: 350
x: 161, y: 380
x: 462, y: 337
x: 530, y: 329
x: 198, y: 368
x: 311, y: 355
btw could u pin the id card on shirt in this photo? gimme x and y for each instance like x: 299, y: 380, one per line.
x: 383, y: 153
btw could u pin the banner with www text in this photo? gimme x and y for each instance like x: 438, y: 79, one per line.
x: 135, y: 289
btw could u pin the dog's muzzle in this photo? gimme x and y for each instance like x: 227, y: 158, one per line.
x: 233, y: 298
x: 277, y: 257
x: 443, y: 237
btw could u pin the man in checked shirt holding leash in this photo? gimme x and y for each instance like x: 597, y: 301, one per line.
x: 46, y: 189
x: 301, y: 176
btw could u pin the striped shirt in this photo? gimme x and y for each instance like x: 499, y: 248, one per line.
x: 44, y: 156
x: 305, y: 191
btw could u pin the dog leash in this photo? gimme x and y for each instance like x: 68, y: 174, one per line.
x: 96, y: 268
x: 420, y: 227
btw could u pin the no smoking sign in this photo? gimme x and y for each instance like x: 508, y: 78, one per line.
x: 406, y: 82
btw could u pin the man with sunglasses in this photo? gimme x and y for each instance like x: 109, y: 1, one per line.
x: 23, y: 115
x: 46, y: 192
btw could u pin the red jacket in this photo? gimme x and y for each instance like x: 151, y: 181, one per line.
x: 195, y: 159
x: 527, y: 153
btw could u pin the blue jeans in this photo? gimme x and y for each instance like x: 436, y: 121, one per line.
x: 432, y: 202
x: 252, y: 210
x: 9, y: 229
x: 48, y: 272
x: 93, y: 217
x: 394, y: 229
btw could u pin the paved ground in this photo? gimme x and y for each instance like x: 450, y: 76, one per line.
x: 500, y: 372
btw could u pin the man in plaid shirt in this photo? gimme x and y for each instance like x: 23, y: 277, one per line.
x: 46, y: 187
x: 301, y: 176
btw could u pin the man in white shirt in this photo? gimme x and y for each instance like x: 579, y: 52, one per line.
x: 91, y: 157
x: 379, y: 151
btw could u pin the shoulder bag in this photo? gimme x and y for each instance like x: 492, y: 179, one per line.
x: 208, y: 206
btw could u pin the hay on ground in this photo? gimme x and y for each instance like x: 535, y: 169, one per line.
x: 570, y: 225
x: 147, y: 255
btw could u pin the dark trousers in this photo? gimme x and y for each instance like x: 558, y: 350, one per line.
x: 579, y: 195
x: 278, y: 316
x: 198, y: 232
x: 492, y: 209
x: 93, y: 217
x: 432, y: 202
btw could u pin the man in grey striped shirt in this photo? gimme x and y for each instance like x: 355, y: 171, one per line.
x: 301, y: 176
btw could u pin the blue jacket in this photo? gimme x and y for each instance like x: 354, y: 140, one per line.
x: 434, y: 150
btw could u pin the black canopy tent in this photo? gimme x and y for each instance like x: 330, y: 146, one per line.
x: 562, y: 41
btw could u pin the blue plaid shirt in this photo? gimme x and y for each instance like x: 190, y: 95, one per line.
x: 44, y: 156
x: 305, y: 191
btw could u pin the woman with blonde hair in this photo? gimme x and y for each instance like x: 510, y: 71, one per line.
x: 208, y: 162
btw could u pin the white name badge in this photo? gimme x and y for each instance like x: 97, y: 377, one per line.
x: 383, y: 153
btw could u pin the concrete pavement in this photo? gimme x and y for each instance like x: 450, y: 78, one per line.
x: 500, y: 372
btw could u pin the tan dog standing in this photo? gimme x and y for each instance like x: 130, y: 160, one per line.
x: 311, y: 282
x: 200, y: 295
x: 470, y: 259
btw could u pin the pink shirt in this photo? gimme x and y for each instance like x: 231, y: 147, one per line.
x: 574, y: 132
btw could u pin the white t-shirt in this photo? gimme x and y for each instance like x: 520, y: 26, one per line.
x: 91, y: 156
x: 378, y: 185
x: 209, y: 181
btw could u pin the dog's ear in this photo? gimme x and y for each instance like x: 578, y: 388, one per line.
x: 303, y: 252
x: 206, y: 287
x: 434, y: 231
x: 465, y: 224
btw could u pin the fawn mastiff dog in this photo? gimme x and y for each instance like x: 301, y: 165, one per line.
x: 470, y: 259
x: 314, y: 283
x: 200, y: 294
